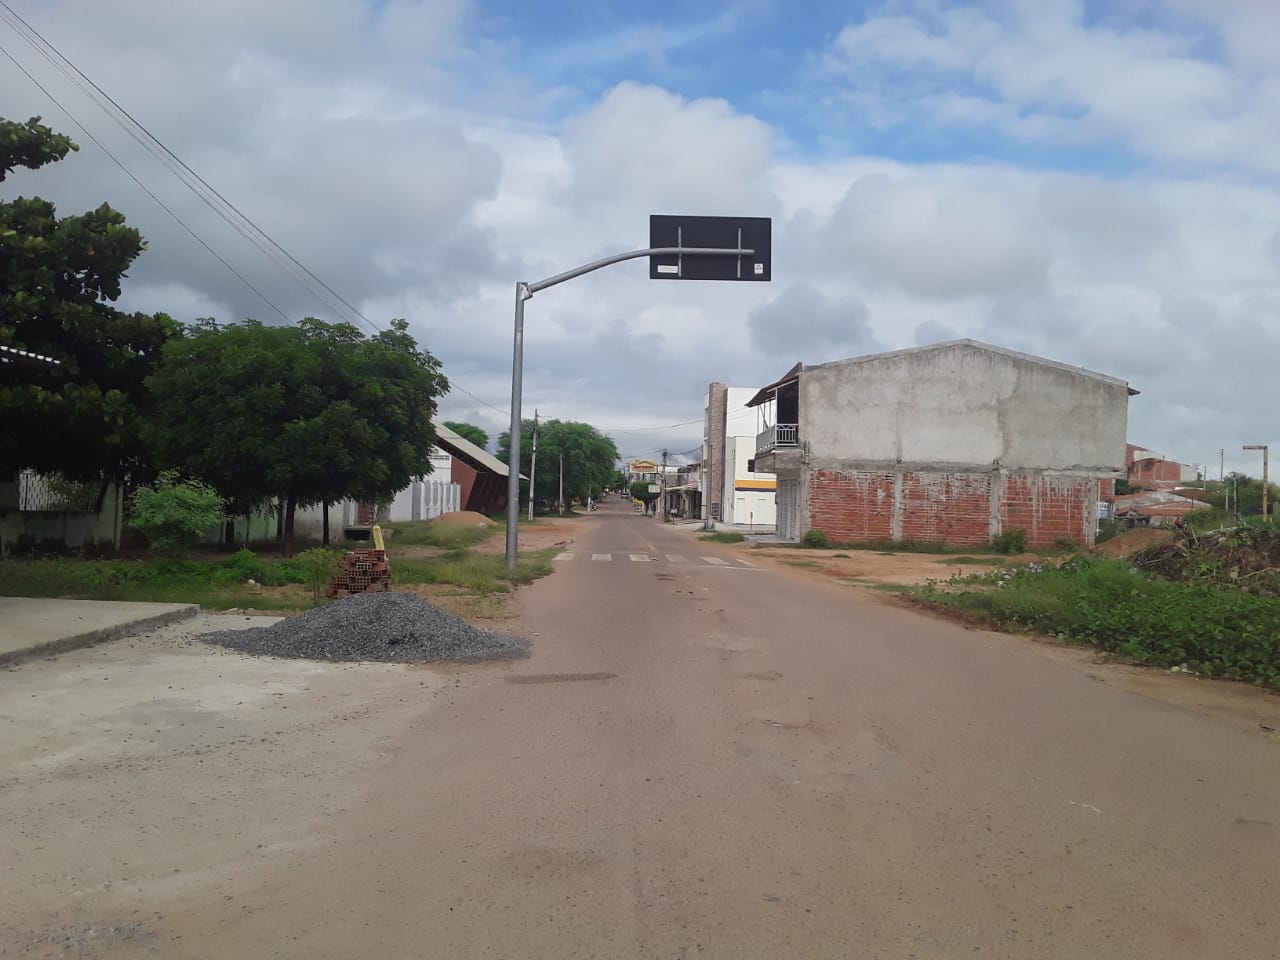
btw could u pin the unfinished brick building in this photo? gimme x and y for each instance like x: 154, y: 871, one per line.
x: 955, y: 441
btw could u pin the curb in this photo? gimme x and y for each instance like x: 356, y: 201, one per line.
x: 93, y: 637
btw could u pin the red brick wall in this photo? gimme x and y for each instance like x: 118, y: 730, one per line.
x: 1046, y: 507
x: 1107, y: 490
x: 850, y: 507
x: 953, y: 507
x: 1152, y: 470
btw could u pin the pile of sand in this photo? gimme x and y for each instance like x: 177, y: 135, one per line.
x: 1131, y: 541
x: 468, y: 518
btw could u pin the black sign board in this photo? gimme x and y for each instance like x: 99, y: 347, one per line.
x: 722, y: 233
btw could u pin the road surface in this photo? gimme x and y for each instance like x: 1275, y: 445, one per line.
x: 709, y: 759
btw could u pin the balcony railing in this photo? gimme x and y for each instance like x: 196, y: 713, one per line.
x: 779, y: 435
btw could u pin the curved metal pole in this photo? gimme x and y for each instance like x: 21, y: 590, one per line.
x: 631, y: 255
x: 525, y: 291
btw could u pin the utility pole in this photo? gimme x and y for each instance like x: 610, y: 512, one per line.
x: 533, y: 461
x: 1266, y: 516
x: 561, y: 485
x: 662, y: 486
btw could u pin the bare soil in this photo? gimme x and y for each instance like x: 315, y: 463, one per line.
x: 468, y: 517
x: 1131, y: 541
x: 545, y: 532
x: 870, y: 567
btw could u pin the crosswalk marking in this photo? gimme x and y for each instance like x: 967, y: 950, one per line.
x: 602, y: 556
x: 745, y: 564
x: 675, y: 558
x: 716, y: 560
x: 565, y: 556
x: 639, y: 557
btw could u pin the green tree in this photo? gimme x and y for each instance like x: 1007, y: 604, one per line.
x: 307, y: 414
x: 469, y: 431
x: 589, y: 458
x: 81, y: 418
x: 175, y: 513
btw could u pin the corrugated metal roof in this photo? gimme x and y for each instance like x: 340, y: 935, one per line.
x: 462, y: 447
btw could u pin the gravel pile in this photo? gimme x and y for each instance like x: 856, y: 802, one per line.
x: 396, y: 627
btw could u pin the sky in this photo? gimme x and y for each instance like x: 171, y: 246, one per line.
x: 1093, y: 182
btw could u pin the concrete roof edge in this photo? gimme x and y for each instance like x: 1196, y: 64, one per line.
x: 980, y: 345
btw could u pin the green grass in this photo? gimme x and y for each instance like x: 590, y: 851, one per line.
x: 222, y: 584
x: 1217, y: 631
x: 972, y: 561
x: 447, y: 536
x: 478, y: 573
x: 722, y: 537
x: 217, y: 585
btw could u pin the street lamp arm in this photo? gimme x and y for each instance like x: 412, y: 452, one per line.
x: 531, y: 288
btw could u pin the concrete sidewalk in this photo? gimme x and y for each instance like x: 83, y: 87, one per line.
x: 32, y: 627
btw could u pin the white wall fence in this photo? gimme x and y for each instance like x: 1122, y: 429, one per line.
x: 425, y: 499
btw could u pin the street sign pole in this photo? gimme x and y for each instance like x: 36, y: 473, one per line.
x: 699, y: 227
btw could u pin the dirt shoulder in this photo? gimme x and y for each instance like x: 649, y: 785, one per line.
x: 135, y: 770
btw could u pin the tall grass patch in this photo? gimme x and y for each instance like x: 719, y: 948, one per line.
x: 1210, y: 629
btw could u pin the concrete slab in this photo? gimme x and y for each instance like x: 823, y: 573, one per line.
x: 34, y: 627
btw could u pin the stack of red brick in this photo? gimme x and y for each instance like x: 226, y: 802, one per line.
x: 360, y: 571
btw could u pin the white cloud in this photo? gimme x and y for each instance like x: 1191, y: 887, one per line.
x: 1041, y: 70
x: 405, y: 171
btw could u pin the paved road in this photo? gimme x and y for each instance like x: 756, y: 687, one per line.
x: 706, y: 759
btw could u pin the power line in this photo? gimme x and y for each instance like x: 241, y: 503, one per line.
x: 216, y: 202
x: 142, y: 186
x: 207, y: 193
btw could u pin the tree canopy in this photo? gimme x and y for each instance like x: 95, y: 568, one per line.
x: 469, y: 431
x: 82, y: 416
x: 308, y: 414
x: 589, y: 458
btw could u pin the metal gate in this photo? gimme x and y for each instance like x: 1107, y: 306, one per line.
x: 789, y: 509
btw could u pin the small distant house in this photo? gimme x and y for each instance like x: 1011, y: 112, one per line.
x: 1147, y: 468
x: 955, y: 441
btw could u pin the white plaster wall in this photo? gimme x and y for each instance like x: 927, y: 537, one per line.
x: 961, y: 405
x: 747, y: 506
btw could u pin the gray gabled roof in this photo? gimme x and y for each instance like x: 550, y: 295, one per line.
x: 462, y: 447
x: 989, y: 348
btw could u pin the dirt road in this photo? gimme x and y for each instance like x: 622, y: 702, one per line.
x: 705, y: 758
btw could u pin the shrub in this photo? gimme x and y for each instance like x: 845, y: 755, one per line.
x: 1065, y: 543
x: 175, y: 513
x: 722, y: 537
x: 814, y: 539
x: 1108, y: 529
x: 1010, y: 541
x: 318, y: 565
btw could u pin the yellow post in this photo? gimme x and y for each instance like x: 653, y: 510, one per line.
x: 377, y: 537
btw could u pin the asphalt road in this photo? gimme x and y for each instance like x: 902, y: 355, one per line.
x: 706, y: 759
